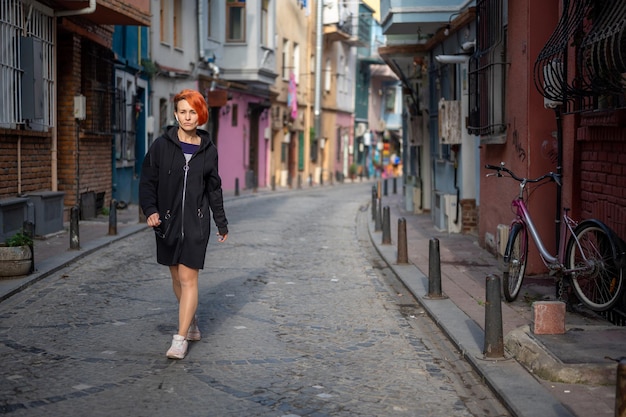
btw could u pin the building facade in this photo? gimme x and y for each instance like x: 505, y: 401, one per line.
x: 58, y: 96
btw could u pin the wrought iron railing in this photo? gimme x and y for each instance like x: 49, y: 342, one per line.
x: 583, y: 65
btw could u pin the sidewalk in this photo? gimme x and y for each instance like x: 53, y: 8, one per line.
x: 580, y: 354
x: 525, y: 379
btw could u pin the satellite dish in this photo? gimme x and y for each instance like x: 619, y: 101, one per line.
x: 360, y: 129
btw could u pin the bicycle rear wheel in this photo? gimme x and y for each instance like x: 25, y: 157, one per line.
x: 515, y: 257
x: 598, y: 281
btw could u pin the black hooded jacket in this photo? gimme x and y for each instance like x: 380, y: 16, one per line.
x: 184, y: 204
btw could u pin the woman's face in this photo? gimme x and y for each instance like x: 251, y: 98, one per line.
x: 186, y: 115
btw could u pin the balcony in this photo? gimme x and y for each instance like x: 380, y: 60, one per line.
x: 109, y: 12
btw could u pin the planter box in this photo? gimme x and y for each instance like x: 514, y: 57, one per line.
x: 15, y: 261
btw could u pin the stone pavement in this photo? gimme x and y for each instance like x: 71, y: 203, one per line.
x: 539, y: 375
x: 561, y: 361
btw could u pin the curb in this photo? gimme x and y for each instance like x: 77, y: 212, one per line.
x: 518, y: 390
x: 535, y: 356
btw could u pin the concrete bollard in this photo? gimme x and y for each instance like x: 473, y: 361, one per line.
x: 403, y: 257
x: 620, y: 389
x: 74, y: 233
x: 113, y: 217
x: 236, y: 186
x: 377, y: 221
x: 494, y: 340
x: 434, y: 269
x: 386, y: 226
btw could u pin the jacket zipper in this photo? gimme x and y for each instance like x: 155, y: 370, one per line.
x: 182, y: 225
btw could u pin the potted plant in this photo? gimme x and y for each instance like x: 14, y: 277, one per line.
x: 352, y: 170
x: 16, y: 255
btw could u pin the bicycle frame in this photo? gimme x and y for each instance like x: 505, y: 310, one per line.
x: 555, y: 263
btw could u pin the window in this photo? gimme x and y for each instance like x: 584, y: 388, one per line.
x: 265, y: 22
x: 390, y: 100
x: 164, y: 22
x: 235, y: 115
x: 210, y: 23
x: 328, y: 72
x: 235, y: 20
x: 178, y: 23
x: 285, y: 69
x: 163, y: 114
x: 296, y: 62
x: 34, y: 103
x: 487, y: 74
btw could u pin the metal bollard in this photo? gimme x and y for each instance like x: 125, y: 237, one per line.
x: 113, y: 217
x: 386, y: 226
x: 373, y: 202
x: 385, y: 187
x: 434, y: 269
x: 403, y: 257
x: 377, y: 219
x: 620, y: 389
x: 378, y: 189
x: 299, y: 181
x: 74, y: 234
x: 236, y: 186
x: 494, y: 340
x: 395, y: 185
x: 273, y: 182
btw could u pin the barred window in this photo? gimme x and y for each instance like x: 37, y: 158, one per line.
x: 26, y: 65
x: 487, y: 73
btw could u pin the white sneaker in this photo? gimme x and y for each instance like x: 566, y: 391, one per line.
x: 193, y: 333
x: 178, y: 350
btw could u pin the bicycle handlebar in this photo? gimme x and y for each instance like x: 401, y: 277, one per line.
x: 551, y: 175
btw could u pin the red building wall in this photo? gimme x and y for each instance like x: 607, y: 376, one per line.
x: 529, y: 146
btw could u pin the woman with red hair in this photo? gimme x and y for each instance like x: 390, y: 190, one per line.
x: 180, y: 188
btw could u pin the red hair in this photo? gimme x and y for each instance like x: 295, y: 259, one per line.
x: 196, y: 101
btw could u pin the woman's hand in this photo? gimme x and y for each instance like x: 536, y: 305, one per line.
x: 154, y: 220
x: 222, y: 238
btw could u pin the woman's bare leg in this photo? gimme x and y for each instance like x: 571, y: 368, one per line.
x: 185, y: 285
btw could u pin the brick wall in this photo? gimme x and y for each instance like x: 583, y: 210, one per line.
x: 602, y: 140
x: 77, y: 144
x: 469, y: 217
x: 35, y: 162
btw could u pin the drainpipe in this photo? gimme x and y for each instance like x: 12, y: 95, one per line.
x: 53, y: 147
x: 318, y: 81
x: 87, y: 10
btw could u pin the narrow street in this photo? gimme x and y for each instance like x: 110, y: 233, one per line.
x: 299, y: 317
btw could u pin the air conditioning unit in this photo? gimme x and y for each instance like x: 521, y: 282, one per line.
x: 502, y: 237
x: 438, y: 213
x: 450, y: 205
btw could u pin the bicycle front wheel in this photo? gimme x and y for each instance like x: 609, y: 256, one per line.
x: 597, y: 280
x: 515, y: 257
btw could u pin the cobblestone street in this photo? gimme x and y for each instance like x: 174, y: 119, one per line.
x: 295, y: 318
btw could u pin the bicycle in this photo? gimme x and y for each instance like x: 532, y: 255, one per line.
x: 592, y: 260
